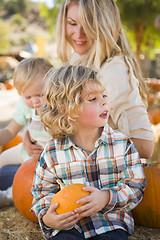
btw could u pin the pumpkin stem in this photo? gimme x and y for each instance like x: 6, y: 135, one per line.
x: 62, y: 185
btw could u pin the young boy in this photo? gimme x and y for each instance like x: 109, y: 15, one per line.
x: 29, y: 81
x: 84, y: 149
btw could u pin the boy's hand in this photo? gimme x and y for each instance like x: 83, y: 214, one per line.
x: 94, y: 203
x: 61, y: 221
x: 32, y: 149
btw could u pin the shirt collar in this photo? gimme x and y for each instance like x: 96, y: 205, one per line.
x: 107, y: 137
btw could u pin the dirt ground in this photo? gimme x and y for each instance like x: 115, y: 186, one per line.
x: 14, y: 226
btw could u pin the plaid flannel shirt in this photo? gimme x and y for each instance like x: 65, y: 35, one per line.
x: 114, y: 165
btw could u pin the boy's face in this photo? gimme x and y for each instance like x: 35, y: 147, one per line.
x: 95, y: 107
x: 33, y: 95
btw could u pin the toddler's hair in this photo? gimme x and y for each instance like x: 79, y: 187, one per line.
x: 63, y: 94
x: 28, y: 71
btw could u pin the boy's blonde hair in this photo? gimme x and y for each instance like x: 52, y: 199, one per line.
x: 63, y: 94
x: 28, y: 71
x: 101, y: 22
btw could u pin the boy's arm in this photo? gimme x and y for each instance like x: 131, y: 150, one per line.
x: 128, y: 191
x: 44, y: 187
x: 9, y: 132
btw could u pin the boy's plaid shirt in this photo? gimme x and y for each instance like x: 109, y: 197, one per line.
x: 114, y: 165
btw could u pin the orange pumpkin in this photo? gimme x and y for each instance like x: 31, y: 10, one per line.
x: 154, y: 116
x: 13, y: 142
x: 147, y: 213
x: 154, y: 84
x: 151, y: 99
x: 68, y: 196
x: 22, y: 184
x: 9, y: 84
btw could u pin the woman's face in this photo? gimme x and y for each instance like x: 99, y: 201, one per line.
x: 75, y: 34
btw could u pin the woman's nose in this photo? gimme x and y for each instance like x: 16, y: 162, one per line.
x: 80, y: 32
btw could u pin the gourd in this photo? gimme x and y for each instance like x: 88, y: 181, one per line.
x: 68, y: 196
x: 9, y: 84
x: 154, y: 116
x: 147, y: 213
x: 15, y: 141
x: 22, y: 184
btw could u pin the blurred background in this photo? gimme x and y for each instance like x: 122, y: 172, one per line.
x: 27, y: 28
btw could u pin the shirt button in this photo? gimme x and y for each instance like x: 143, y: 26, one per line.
x: 114, y: 165
x: 92, y: 161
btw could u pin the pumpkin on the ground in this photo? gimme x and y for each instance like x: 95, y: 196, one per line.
x: 154, y: 116
x: 68, y: 196
x: 9, y: 84
x: 147, y: 213
x: 22, y: 184
x: 15, y: 141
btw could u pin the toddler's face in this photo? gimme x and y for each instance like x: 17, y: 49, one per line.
x: 34, y: 96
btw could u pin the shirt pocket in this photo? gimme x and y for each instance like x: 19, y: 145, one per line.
x: 71, y: 172
x: 111, y: 171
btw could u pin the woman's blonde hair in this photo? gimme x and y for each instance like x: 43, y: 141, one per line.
x: 101, y: 21
x: 28, y: 71
x: 63, y: 93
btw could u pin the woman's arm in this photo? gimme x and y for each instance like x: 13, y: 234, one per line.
x: 128, y: 112
x: 9, y: 132
x: 144, y: 147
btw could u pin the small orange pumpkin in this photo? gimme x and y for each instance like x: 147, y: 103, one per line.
x: 154, y: 116
x: 151, y: 99
x: 68, y: 196
x: 15, y: 141
x: 147, y: 213
x: 9, y: 84
x: 154, y: 84
x: 22, y: 184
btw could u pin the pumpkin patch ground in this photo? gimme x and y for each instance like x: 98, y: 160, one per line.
x: 14, y: 226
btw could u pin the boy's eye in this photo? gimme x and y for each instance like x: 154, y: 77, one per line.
x: 104, y: 96
x: 92, y: 99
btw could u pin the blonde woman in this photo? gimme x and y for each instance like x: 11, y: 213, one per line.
x: 82, y: 151
x: 29, y: 82
x: 89, y: 32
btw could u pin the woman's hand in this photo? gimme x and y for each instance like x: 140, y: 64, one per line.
x: 61, y: 221
x: 94, y: 203
x: 29, y: 145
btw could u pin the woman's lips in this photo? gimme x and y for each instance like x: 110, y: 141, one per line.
x: 80, y: 43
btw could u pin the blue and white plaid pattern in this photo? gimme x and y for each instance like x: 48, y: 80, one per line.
x: 114, y: 165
